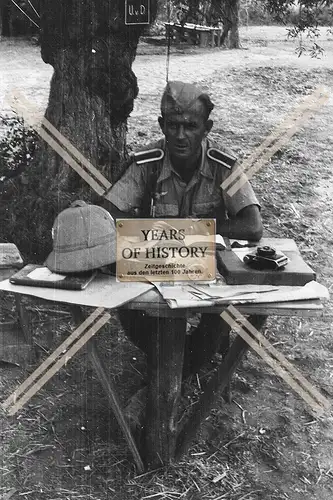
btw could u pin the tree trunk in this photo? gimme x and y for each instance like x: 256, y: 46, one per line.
x: 91, y: 96
x: 234, y: 31
x: 4, y: 18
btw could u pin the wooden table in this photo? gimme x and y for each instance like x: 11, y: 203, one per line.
x: 204, y: 34
x: 163, y: 442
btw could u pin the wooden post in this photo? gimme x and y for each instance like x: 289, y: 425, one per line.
x: 219, y: 33
x: 24, y: 319
x: 218, y: 382
x: 165, y: 363
x: 203, y: 38
x: 213, y: 38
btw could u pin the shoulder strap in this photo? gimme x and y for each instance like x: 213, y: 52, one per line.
x: 151, y: 155
x: 221, y: 157
x: 151, y: 159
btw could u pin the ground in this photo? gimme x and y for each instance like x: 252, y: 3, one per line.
x: 265, y: 444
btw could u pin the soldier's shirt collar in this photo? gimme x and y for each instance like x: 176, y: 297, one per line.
x: 168, y: 169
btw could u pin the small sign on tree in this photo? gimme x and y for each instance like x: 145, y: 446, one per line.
x: 137, y: 11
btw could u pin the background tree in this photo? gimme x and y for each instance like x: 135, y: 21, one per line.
x: 4, y: 18
x: 303, y: 17
x: 14, y: 17
x: 91, y: 96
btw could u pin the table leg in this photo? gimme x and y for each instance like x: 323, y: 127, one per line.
x: 16, y: 342
x: 219, y: 38
x: 203, y: 39
x: 24, y: 319
x: 165, y: 364
x: 213, y: 38
x: 218, y: 382
x: 110, y: 391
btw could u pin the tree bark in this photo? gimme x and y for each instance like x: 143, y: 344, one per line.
x: 234, y: 30
x: 92, y: 93
x: 4, y: 18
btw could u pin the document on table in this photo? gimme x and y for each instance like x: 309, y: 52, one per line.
x: 184, y: 296
x: 103, y: 291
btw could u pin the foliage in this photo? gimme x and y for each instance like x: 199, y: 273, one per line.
x: 17, y: 147
x: 302, y: 18
x: 18, y: 182
x: 305, y: 17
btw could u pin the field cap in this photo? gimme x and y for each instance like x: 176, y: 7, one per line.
x: 179, y: 97
x: 84, y: 238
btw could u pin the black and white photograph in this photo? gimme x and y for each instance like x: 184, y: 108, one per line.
x: 166, y: 249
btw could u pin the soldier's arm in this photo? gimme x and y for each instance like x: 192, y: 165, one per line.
x: 127, y: 196
x: 245, y: 225
x: 243, y: 209
x: 115, y: 212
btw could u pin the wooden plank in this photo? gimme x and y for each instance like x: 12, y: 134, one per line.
x: 110, y: 391
x: 165, y: 364
x: 204, y: 38
x: 218, y: 382
x: 24, y: 319
x: 153, y: 302
x: 12, y: 348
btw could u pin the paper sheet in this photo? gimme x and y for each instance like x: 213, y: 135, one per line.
x: 185, y: 296
x: 44, y: 274
x: 103, y: 291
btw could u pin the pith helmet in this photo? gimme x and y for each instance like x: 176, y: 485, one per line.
x: 84, y: 238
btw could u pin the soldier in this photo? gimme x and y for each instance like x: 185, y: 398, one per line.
x: 181, y: 176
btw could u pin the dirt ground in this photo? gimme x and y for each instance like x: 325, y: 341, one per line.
x: 266, y: 444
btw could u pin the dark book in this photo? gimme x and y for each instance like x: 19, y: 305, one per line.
x: 236, y: 272
x: 33, y: 275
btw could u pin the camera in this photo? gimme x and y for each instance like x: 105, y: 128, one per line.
x: 266, y: 258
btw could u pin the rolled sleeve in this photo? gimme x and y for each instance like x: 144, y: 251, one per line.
x: 128, y: 192
x: 243, y: 197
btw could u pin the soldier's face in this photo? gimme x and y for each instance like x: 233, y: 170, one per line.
x: 185, y: 131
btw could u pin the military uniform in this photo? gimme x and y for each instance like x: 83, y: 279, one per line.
x: 152, y: 187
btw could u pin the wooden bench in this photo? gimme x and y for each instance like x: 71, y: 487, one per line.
x: 15, y: 337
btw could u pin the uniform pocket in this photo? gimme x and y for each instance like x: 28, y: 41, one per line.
x: 166, y: 210
x: 207, y: 209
